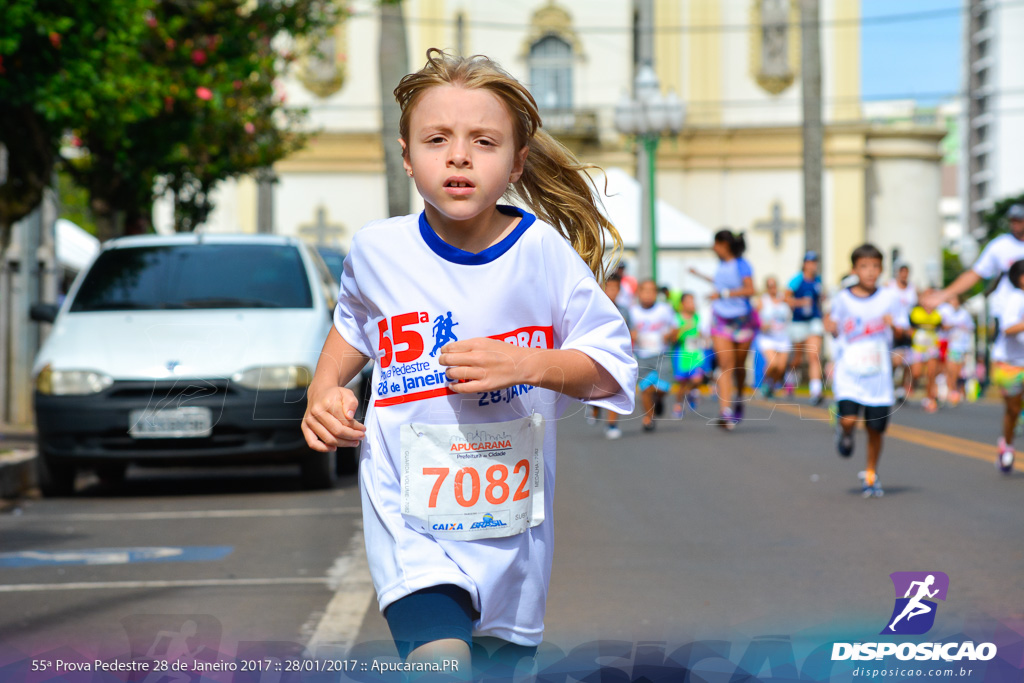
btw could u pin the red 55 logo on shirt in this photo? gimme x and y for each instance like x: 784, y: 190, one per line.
x: 411, y: 340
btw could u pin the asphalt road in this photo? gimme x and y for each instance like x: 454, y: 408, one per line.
x: 684, y: 534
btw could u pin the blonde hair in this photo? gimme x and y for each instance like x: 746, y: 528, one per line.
x: 554, y: 184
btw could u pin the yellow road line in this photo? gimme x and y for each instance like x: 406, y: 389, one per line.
x: 942, y: 442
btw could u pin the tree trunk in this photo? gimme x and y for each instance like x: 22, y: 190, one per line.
x: 393, y: 57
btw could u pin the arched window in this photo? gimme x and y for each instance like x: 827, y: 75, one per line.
x: 551, y: 73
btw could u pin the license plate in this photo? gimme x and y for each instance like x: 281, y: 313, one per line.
x: 173, y: 423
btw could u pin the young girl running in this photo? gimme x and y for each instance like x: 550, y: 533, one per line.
x: 1008, y: 363
x: 457, y: 466
x: 960, y: 325
x: 773, y: 340
x: 687, y: 356
x: 733, y: 326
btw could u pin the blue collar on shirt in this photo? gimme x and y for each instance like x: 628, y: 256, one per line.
x: 466, y: 258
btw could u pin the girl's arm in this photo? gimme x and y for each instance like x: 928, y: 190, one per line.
x: 483, y: 364
x: 702, y: 276
x: 329, y: 421
x: 1015, y: 329
x: 746, y: 290
x: 961, y: 284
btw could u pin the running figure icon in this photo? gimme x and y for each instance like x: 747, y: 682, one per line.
x: 443, y: 332
x: 915, y: 607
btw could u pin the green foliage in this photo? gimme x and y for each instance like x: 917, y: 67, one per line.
x: 74, y: 204
x: 951, y: 268
x: 58, y: 60
x: 166, y: 94
x: 995, y: 220
x: 219, y: 116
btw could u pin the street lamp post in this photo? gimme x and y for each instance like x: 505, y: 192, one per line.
x: 647, y: 115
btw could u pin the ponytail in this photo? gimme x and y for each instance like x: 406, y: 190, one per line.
x: 736, y: 242
x: 556, y: 187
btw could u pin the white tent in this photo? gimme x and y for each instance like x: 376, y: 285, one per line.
x: 675, y: 229
x: 75, y: 247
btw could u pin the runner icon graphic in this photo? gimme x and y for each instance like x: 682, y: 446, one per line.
x: 443, y: 332
x: 915, y: 607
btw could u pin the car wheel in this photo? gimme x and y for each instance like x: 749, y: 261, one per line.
x: 347, y: 461
x: 56, y: 478
x: 319, y: 470
x: 112, y: 475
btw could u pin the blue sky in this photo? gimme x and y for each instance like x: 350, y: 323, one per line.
x: 911, y: 57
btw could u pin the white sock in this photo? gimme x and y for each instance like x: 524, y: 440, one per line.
x: 815, y: 387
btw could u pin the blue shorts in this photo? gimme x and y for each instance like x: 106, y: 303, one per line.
x: 693, y: 374
x: 654, y: 372
x: 446, y: 611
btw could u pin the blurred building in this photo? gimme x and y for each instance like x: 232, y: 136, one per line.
x: 994, y: 129
x: 737, y: 163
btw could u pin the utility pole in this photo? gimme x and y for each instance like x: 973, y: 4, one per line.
x: 393, y: 64
x: 813, y: 131
x: 644, y: 51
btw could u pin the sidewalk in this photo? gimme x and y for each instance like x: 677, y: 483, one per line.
x: 17, y: 461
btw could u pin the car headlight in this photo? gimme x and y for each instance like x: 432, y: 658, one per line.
x: 274, y: 377
x: 71, y: 382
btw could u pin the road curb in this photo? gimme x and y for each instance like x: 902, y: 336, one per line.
x: 17, y: 472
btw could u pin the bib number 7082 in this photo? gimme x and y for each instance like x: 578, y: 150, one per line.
x: 495, y: 492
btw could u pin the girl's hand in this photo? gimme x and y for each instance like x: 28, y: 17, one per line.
x: 329, y: 422
x: 483, y: 364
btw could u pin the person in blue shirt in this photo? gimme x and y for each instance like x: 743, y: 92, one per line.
x: 807, y: 330
x: 733, y: 324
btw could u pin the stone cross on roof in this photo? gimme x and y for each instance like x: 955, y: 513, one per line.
x: 322, y: 232
x: 776, y: 224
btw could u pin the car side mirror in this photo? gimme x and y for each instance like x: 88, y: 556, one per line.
x: 43, y: 313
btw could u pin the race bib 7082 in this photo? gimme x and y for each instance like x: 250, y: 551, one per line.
x: 474, y: 481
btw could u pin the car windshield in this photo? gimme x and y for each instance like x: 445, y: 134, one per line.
x: 183, y: 276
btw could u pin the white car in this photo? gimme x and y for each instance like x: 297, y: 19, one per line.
x: 184, y: 350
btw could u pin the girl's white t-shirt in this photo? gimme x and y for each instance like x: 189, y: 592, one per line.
x: 959, y: 327
x: 404, y: 294
x: 1010, y: 348
x: 775, y: 318
x: 863, y: 369
x: 651, y: 325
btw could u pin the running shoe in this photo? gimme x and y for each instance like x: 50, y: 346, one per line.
x: 930, y: 405
x: 1004, y: 460
x: 871, y: 485
x: 767, y: 390
x: 726, y: 420
x: 900, y: 394
x: 816, y: 399
x: 649, y: 426
x: 790, y: 383
x: 844, y: 441
x: 613, y: 432
x: 738, y: 409
x: 659, y: 405
x: 677, y: 411
x: 691, y: 400
x: 591, y: 420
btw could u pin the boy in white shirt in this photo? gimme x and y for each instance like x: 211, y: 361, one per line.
x: 863, y: 318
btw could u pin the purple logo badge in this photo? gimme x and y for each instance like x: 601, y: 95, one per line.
x: 914, y: 611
